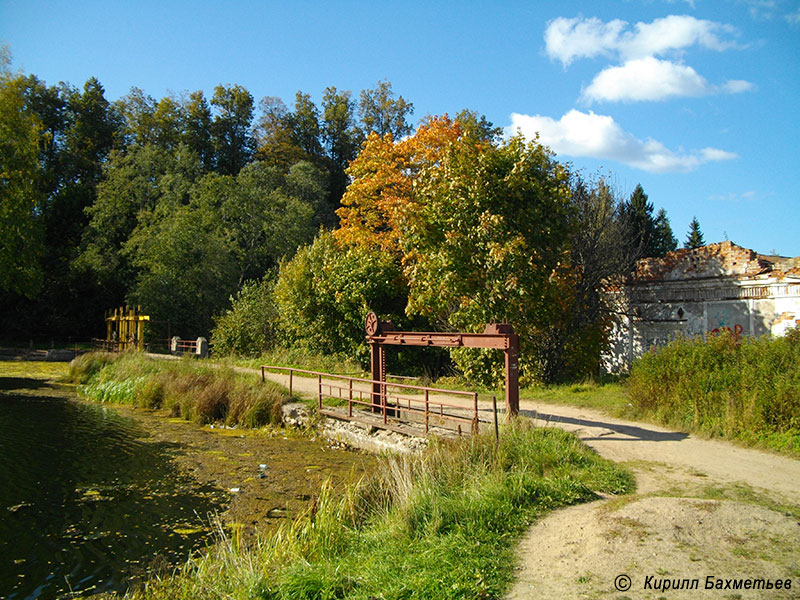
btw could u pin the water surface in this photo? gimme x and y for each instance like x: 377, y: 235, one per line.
x: 87, y: 502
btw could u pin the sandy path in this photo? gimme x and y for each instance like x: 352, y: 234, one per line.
x: 702, y: 509
x: 621, y: 441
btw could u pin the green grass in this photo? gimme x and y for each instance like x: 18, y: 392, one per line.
x: 442, y: 524
x: 743, y: 389
x: 610, y: 398
x: 301, y: 359
x: 196, y: 391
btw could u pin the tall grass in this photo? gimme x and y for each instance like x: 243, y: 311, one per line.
x: 198, y: 393
x: 441, y: 524
x: 725, y: 386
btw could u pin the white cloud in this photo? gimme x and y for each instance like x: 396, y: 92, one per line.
x: 599, y: 136
x: 736, y: 86
x: 568, y: 39
x: 646, y: 79
x: 652, y: 79
x: 674, y: 32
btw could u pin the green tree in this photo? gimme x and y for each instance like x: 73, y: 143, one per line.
x: 646, y: 235
x: 230, y: 130
x: 340, y: 137
x: 21, y: 133
x: 568, y: 345
x: 185, y: 270
x: 275, y: 137
x: 638, y: 216
x: 324, y: 293
x: 490, y: 228
x: 149, y: 121
x: 382, y: 113
x: 694, y: 239
x: 663, y: 239
x: 262, y: 213
x: 80, y: 128
x: 250, y: 326
x: 304, y: 122
x: 197, y: 129
x: 136, y: 183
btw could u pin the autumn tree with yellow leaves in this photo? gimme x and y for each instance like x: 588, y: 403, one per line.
x: 479, y: 226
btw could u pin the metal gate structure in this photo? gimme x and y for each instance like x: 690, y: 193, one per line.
x: 496, y: 336
x: 125, y: 329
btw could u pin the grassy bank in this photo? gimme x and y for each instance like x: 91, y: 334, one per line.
x: 442, y: 524
x: 745, y: 389
x: 187, y: 388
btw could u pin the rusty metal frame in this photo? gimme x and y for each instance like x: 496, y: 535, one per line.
x: 496, y: 336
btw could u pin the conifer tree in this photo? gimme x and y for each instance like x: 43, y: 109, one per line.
x: 694, y: 238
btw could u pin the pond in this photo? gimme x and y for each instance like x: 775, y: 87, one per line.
x: 86, y: 504
x: 95, y: 498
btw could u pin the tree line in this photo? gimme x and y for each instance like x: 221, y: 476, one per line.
x: 268, y: 224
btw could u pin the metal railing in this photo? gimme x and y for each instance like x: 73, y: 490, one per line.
x: 184, y: 346
x: 109, y: 345
x: 394, y: 403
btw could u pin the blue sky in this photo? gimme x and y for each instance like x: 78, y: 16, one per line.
x: 697, y: 101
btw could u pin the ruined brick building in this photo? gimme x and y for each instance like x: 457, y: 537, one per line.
x: 693, y: 292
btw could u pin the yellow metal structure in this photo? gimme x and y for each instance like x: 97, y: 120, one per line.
x: 125, y: 328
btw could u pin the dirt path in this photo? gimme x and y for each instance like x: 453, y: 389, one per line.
x: 703, y: 509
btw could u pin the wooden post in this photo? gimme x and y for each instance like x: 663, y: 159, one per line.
x: 475, y: 413
x: 350, y: 398
x: 426, y: 411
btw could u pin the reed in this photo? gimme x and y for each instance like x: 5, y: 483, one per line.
x: 186, y: 388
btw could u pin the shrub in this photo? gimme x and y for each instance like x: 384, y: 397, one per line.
x: 86, y: 366
x: 249, y: 328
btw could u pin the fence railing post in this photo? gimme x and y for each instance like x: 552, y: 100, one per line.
x: 426, y: 411
x: 475, y: 413
x: 494, y: 412
x: 319, y: 391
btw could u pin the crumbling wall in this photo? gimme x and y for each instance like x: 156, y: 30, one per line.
x: 694, y: 292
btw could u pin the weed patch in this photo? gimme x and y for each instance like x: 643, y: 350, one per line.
x: 746, y: 389
x: 186, y: 389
